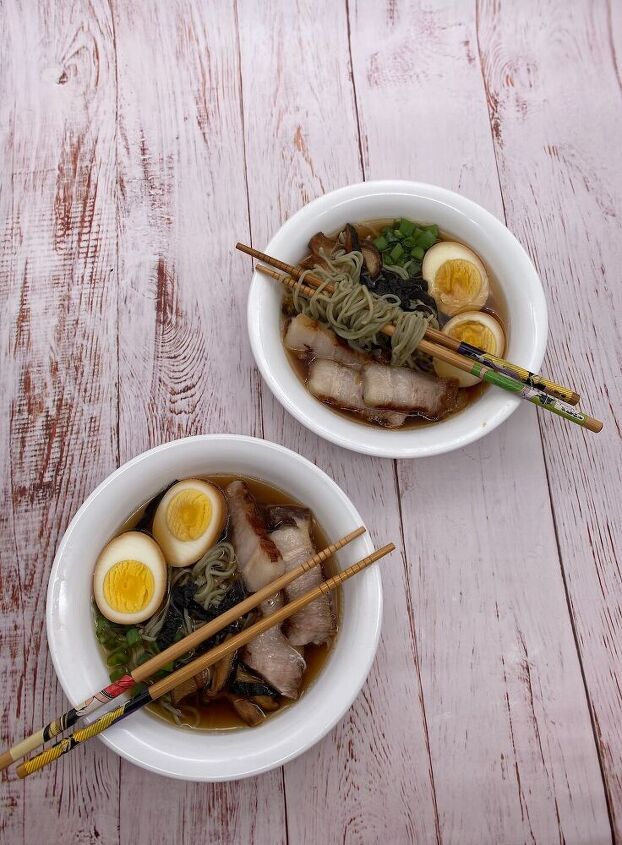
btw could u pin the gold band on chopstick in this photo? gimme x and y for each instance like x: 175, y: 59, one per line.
x: 65, y: 745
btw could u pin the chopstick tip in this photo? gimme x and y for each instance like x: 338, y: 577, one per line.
x: 381, y: 552
x: 247, y: 249
x: 593, y: 425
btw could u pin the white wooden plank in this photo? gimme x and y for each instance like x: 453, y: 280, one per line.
x: 554, y: 91
x: 370, y: 779
x: 496, y: 659
x: 501, y: 680
x: 58, y: 374
x: 183, y: 370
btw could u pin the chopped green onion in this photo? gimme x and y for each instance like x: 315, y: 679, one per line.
x: 406, y: 227
x: 397, y: 252
x: 426, y: 240
x: 381, y: 243
x: 132, y: 636
x: 119, y: 648
x: 118, y: 658
x: 404, y: 244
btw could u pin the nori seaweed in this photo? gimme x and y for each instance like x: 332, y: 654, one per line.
x: 406, y: 290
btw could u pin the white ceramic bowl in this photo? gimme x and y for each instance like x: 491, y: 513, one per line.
x: 457, y: 217
x: 147, y: 740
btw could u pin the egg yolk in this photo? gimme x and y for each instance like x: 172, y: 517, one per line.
x: 476, y: 334
x: 188, y: 514
x: 458, y: 281
x: 128, y: 586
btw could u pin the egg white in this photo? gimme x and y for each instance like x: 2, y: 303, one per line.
x: 131, y: 545
x: 434, y: 259
x: 185, y: 552
x: 445, y: 370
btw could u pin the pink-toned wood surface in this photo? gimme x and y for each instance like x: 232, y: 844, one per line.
x: 139, y: 141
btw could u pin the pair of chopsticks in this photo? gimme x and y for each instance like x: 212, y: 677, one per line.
x: 161, y: 687
x: 532, y: 387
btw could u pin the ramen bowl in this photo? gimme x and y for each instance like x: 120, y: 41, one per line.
x: 518, y: 290
x: 144, y: 738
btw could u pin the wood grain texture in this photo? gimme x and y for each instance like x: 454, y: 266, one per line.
x: 562, y: 186
x: 182, y: 204
x: 138, y: 142
x: 494, y: 634
x: 359, y: 784
x: 59, y: 368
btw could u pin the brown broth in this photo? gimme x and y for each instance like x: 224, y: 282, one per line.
x: 495, y: 305
x: 219, y: 714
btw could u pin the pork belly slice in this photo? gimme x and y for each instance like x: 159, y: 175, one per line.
x: 408, y: 391
x: 290, y: 531
x: 308, y: 338
x: 342, y: 386
x: 272, y: 656
x: 258, y: 558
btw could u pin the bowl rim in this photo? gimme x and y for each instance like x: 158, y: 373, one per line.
x: 505, y: 402
x: 158, y: 765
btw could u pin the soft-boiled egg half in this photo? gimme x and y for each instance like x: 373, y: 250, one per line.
x: 129, y: 580
x: 456, y: 277
x: 476, y: 328
x: 189, y: 520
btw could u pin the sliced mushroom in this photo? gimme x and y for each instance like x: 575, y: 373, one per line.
x: 220, y: 676
x: 190, y: 686
x: 251, y: 713
x: 372, y: 259
x: 351, y: 241
x: 251, y: 696
x: 320, y: 241
x: 267, y: 703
